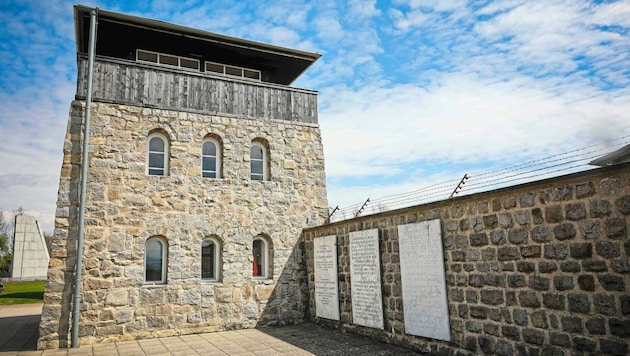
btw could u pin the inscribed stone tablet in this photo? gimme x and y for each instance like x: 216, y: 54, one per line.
x: 423, y: 280
x: 365, y: 279
x: 326, y: 291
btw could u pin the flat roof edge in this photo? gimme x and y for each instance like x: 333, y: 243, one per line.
x: 211, y: 36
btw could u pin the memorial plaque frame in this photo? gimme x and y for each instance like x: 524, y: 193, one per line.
x: 365, y: 279
x: 425, y: 305
x: 326, y: 277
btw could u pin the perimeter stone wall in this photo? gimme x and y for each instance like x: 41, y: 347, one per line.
x: 125, y: 207
x: 536, y: 269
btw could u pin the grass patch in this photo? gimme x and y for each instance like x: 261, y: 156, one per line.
x: 22, y: 293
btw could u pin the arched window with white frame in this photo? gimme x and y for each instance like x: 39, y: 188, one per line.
x: 260, y: 263
x: 155, y: 260
x: 157, y: 154
x: 259, y: 161
x: 211, y: 158
x: 210, y: 255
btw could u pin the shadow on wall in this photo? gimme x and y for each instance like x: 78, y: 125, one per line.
x: 286, y: 303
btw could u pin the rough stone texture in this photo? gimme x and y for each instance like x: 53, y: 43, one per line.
x: 623, y: 204
x: 125, y: 207
x: 547, y: 276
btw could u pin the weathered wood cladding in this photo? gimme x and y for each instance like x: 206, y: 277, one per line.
x: 131, y: 83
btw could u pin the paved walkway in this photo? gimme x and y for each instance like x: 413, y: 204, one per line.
x: 18, y: 326
x: 18, y: 336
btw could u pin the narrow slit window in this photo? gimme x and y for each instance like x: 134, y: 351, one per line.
x: 155, y: 255
x: 210, y: 259
x: 211, y: 159
x: 260, y: 263
x: 259, y: 161
x: 157, y: 155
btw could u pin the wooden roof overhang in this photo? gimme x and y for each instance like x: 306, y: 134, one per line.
x: 120, y: 35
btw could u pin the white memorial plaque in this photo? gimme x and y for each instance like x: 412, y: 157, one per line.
x: 365, y: 279
x: 326, y: 277
x: 423, y: 280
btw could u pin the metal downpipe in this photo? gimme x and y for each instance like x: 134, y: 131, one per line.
x: 76, y: 312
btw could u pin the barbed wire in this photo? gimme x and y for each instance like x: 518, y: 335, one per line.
x: 562, y: 163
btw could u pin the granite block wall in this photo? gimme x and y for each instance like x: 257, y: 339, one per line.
x: 536, y: 269
x: 125, y: 207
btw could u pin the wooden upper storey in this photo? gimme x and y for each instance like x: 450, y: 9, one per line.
x: 155, y: 64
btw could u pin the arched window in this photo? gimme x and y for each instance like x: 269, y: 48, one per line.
x: 155, y: 260
x: 260, y: 264
x: 157, y: 155
x: 211, y: 158
x: 210, y: 253
x: 258, y: 161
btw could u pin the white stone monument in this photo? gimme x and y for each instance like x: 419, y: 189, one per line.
x: 326, y: 277
x: 30, y: 254
x: 365, y: 279
x: 423, y: 280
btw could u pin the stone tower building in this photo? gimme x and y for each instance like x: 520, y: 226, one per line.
x: 204, y: 167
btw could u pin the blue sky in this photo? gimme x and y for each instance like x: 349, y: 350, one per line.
x: 411, y: 92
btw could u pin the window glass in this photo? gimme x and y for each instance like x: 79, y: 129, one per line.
x: 212, y: 67
x: 157, y: 156
x: 252, y: 74
x: 257, y: 162
x: 156, y: 160
x: 210, y: 161
x: 170, y: 60
x: 209, y: 164
x: 154, y: 260
x: 147, y: 56
x: 258, y: 265
x: 208, y: 260
x: 257, y: 152
x: 189, y: 63
x: 209, y: 148
x: 156, y: 144
x: 236, y: 71
x: 257, y: 167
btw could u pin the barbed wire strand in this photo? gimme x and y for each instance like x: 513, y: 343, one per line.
x: 526, y: 171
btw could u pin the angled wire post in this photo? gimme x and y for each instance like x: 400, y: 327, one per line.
x: 459, y: 186
x: 332, y: 213
x: 361, y: 208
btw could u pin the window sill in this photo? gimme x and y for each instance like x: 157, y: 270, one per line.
x: 154, y: 285
x: 211, y: 281
x: 263, y: 280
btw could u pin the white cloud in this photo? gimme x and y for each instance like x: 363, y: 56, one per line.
x: 613, y: 14
x: 407, y: 89
x: 379, y: 130
x: 328, y: 28
x: 556, y: 36
x: 363, y: 8
x: 407, y: 21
